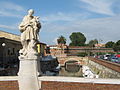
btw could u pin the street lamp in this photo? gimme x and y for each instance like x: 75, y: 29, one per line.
x: 3, y: 57
x: 3, y: 44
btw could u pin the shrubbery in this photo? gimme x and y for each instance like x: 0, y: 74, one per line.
x: 82, y: 54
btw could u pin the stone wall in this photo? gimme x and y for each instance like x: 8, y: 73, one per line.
x: 104, y: 69
x: 64, y: 83
x: 51, y: 85
x: 9, y: 85
x: 74, y: 50
x: 73, y: 83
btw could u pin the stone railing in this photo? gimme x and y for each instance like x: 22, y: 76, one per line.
x: 64, y: 83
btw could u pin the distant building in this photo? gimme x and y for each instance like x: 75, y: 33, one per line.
x: 74, y: 50
x: 9, y: 47
x: 10, y: 36
x: 41, y: 47
x: 59, y: 50
x: 99, y: 45
x: 64, y: 50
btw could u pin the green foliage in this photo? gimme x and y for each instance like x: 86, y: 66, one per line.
x: 100, y: 53
x: 112, y: 53
x: 109, y: 44
x: 116, y: 46
x: 93, y: 42
x: 82, y: 54
x: 77, y: 39
x: 61, y: 40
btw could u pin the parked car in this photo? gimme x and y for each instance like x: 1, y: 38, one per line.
x: 117, y: 60
x: 113, y: 59
x: 118, y: 55
x: 106, y: 57
x: 101, y: 57
x: 49, y: 64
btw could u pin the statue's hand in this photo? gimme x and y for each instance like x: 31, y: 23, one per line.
x: 27, y: 25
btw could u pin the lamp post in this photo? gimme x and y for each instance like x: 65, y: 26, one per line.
x: 3, y: 56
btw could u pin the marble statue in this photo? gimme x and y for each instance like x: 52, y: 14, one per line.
x: 28, y: 69
x: 29, y: 29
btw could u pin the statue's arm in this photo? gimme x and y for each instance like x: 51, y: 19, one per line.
x: 23, y: 25
x: 39, y: 25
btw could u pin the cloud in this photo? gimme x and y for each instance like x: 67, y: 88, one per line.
x: 99, y: 6
x: 106, y: 29
x: 102, y: 28
x: 9, y: 9
x: 11, y: 6
x: 9, y: 14
x: 55, y: 40
x: 12, y: 27
x: 66, y: 17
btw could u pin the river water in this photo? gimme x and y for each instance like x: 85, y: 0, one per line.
x: 64, y: 72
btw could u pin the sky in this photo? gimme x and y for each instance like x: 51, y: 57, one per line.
x: 96, y: 19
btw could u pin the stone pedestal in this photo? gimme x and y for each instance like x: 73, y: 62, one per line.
x: 28, y: 74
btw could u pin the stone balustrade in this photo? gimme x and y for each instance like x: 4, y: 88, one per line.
x: 64, y: 83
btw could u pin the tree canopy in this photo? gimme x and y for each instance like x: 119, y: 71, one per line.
x: 93, y: 42
x: 77, y: 39
x: 116, y: 46
x: 109, y: 44
x: 61, y: 40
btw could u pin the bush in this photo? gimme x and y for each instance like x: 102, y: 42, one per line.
x: 82, y: 54
x: 100, y: 53
x: 112, y: 53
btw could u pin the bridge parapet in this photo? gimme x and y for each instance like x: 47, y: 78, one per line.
x: 81, y: 60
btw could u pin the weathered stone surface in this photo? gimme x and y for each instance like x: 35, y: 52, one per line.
x: 28, y: 75
x: 29, y: 29
x: 28, y: 70
x: 103, y: 71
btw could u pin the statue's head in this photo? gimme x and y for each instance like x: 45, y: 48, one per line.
x: 30, y: 12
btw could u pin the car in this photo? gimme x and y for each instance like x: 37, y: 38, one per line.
x: 101, y: 57
x: 49, y: 64
x: 106, y: 57
x: 117, y: 60
x: 113, y: 59
x: 118, y: 55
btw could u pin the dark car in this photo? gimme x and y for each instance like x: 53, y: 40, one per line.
x: 113, y: 59
x: 49, y: 64
x: 117, y: 60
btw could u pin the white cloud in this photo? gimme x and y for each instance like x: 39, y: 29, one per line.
x: 11, y: 6
x: 60, y: 16
x: 9, y: 14
x: 55, y: 40
x: 8, y: 27
x: 99, y: 6
x: 10, y: 9
x: 106, y: 29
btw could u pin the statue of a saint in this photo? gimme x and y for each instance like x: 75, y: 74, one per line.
x: 29, y: 29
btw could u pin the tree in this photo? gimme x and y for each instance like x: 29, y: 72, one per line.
x: 116, y: 46
x: 77, y: 39
x: 93, y: 42
x: 109, y: 44
x: 61, y: 40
